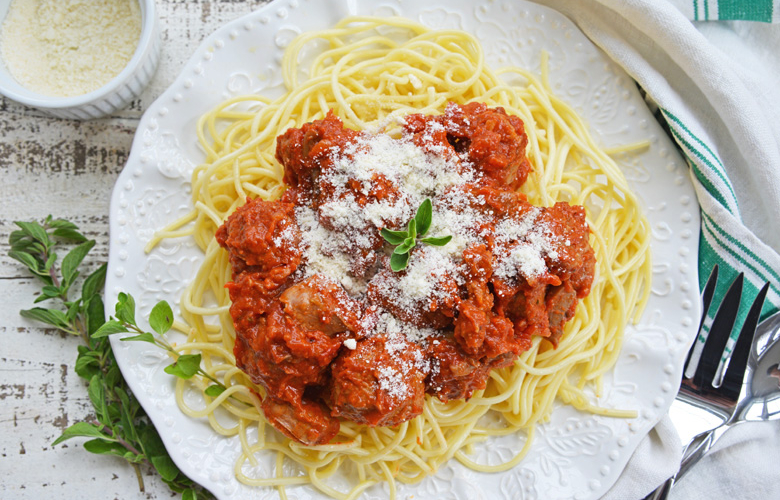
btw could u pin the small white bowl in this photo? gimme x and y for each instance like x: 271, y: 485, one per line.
x: 114, y: 95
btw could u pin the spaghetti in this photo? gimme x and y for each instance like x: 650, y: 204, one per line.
x: 371, y: 72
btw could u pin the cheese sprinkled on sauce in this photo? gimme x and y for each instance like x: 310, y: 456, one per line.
x: 344, y: 228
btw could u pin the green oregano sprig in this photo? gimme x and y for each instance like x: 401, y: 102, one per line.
x: 185, y: 367
x: 405, y: 241
x: 120, y: 427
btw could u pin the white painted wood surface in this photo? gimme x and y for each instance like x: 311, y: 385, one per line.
x: 68, y: 168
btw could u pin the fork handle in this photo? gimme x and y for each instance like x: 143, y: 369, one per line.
x: 698, y: 447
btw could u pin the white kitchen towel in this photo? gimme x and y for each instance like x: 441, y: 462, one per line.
x: 745, y: 10
x: 721, y: 101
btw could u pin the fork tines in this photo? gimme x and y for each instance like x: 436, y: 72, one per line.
x: 720, y: 330
x: 729, y: 379
x: 734, y: 367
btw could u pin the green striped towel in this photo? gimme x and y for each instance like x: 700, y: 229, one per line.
x: 716, y: 87
x: 766, y: 11
x: 722, y: 105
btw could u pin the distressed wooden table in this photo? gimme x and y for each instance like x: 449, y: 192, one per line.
x: 68, y: 169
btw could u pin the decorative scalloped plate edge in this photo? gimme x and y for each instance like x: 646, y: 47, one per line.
x: 575, y: 455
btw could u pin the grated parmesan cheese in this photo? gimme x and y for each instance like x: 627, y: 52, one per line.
x: 346, y: 224
x: 69, y: 47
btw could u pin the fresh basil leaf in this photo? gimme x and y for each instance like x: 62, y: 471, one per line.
x: 141, y: 337
x: 399, y: 261
x: 404, y: 247
x: 104, y: 447
x: 423, y: 217
x: 165, y: 467
x: 109, y: 328
x: 52, y: 317
x: 215, y: 390
x: 185, y: 367
x: 161, y: 317
x: 94, y: 283
x: 412, y: 229
x: 82, y: 429
x: 125, y: 308
x: 393, y: 237
x: 69, y: 234
x: 74, y: 258
x: 189, y: 494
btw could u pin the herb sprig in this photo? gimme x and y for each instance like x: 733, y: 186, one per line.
x: 120, y: 426
x: 405, y: 241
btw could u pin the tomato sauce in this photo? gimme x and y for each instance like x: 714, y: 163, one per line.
x: 324, y: 352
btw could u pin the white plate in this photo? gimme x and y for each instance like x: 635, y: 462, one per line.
x: 575, y: 455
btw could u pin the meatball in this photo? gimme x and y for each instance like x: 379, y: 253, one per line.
x: 262, y: 236
x: 380, y: 382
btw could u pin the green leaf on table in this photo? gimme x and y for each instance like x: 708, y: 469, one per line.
x: 60, y: 224
x: 161, y: 317
x: 93, y: 283
x: 82, y: 429
x: 185, y: 366
x: 125, y: 308
x: 141, y: 337
x: 73, y: 259
x: 34, y: 231
x: 87, y: 363
x: 109, y: 328
x: 113, y: 376
x: 26, y: 259
x: 150, y: 441
x: 127, y: 415
x: 97, y: 395
x: 73, y: 310
x: 49, y: 264
x: 47, y: 292
x: 104, y: 447
x: 165, y: 466
x: 52, y: 317
x: 95, y: 314
x: 17, y: 238
x: 69, y: 234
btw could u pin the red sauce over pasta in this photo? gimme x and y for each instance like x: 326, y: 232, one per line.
x: 331, y: 332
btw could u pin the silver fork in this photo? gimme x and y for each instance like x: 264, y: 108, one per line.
x: 709, y: 394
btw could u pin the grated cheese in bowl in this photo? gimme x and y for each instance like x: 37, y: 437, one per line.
x: 77, y: 58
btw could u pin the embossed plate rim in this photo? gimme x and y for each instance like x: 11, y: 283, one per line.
x: 155, y: 176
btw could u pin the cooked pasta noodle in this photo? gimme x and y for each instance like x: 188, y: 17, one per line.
x: 370, y: 71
